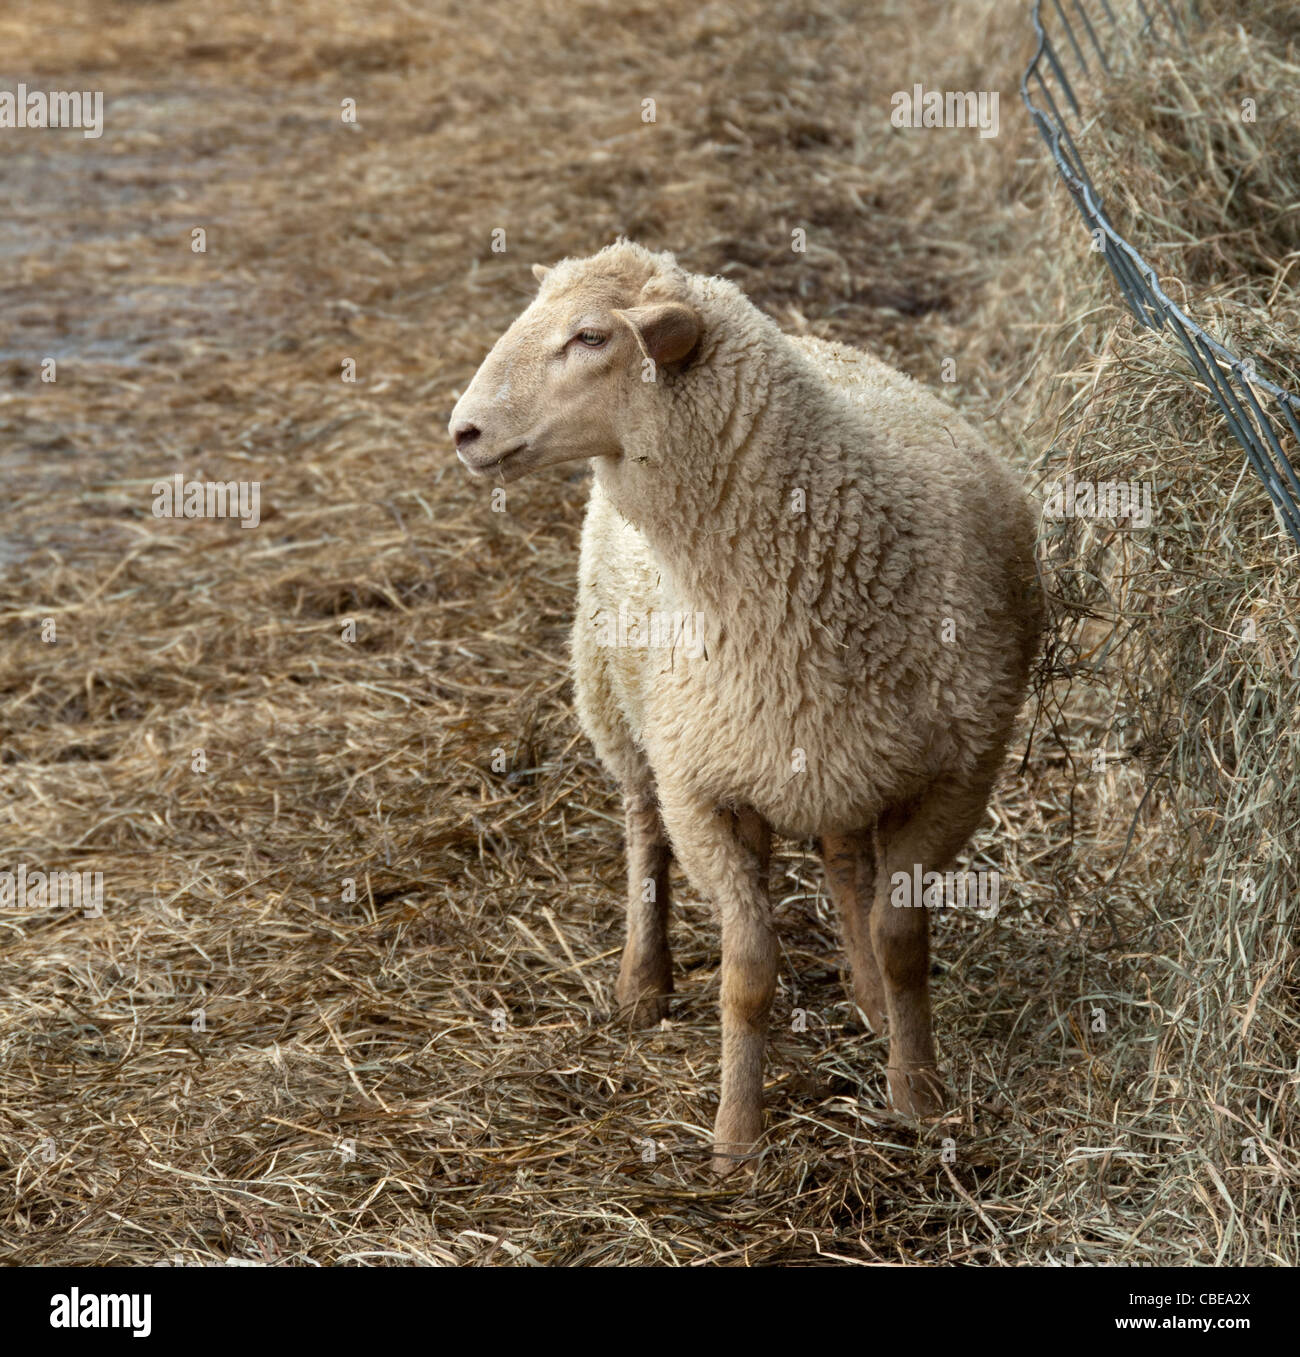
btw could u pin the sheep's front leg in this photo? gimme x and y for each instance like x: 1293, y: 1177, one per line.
x: 645, y: 978
x: 725, y: 855
x: 748, y: 986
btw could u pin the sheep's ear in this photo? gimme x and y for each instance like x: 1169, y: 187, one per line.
x: 665, y: 331
x: 540, y: 271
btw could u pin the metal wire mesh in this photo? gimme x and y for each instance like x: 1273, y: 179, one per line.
x: 1096, y: 35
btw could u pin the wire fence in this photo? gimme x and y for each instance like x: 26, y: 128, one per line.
x: 1092, y: 43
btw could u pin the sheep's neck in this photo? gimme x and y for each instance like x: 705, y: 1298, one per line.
x: 729, y: 529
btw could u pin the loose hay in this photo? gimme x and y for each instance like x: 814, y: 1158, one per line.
x: 428, y: 1073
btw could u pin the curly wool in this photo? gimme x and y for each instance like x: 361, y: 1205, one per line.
x: 861, y: 565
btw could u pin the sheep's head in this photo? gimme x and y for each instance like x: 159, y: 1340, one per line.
x: 581, y: 370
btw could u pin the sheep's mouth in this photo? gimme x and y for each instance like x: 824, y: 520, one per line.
x: 486, y: 468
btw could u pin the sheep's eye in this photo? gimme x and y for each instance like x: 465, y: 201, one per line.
x: 593, y: 339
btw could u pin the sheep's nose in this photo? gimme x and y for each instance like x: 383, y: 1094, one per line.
x: 464, y: 434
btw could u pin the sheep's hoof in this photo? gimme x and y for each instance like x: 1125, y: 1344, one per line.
x: 917, y: 1090
x: 729, y: 1158
x: 736, y: 1134
x: 642, y: 1004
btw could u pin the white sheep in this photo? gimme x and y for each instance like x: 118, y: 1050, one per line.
x: 807, y: 604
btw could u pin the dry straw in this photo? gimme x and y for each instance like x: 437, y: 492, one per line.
x: 428, y: 1072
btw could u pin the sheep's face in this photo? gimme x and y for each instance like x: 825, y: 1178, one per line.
x: 574, y: 377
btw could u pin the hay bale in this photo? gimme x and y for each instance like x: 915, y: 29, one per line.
x: 1178, y: 641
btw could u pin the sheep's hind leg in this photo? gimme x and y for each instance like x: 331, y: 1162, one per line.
x: 926, y: 835
x: 645, y: 977
x: 850, y: 861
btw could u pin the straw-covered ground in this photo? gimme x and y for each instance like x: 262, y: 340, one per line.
x: 349, y: 997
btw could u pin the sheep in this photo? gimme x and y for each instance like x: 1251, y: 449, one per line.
x: 856, y: 572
